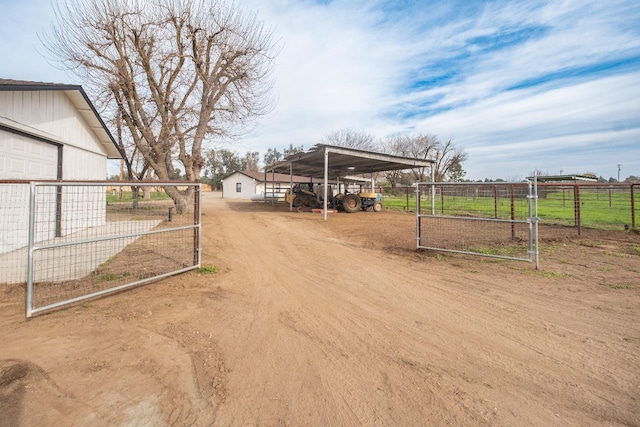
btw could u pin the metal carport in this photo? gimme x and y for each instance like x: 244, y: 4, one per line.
x: 330, y: 162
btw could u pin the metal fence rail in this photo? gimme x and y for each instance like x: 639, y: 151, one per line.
x: 597, y: 205
x: 78, y: 240
x: 496, y: 220
x: 608, y: 206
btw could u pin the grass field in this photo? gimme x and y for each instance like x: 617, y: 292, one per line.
x: 598, y: 208
x: 127, y: 196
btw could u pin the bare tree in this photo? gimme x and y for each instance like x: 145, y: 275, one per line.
x: 173, y: 73
x: 448, y: 160
x: 349, y: 138
x: 399, y: 146
x: 447, y: 157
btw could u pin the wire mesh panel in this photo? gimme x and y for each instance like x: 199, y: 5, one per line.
x: 596, y: 205
x: 89, y: 239
x: 489, y: 219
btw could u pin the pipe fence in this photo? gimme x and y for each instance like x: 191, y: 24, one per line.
x: 69, y: 241
x: 576, y: 205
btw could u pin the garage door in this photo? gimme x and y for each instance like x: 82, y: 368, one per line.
x: 25, y: 158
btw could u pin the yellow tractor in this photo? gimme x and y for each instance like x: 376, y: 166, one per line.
x: 353, y: 202
x: 305, y: 197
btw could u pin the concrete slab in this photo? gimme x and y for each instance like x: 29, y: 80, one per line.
x: 73, y: 261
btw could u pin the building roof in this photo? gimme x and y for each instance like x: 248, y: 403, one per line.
x: 278, y: 177
x: 80, y: 100
x: 343, y: 162
x: 561, y: 178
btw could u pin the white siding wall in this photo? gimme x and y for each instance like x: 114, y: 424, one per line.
x: 89, y: 203
x: 247, y: 186
x: 53, y: 113
x: 80, y: 164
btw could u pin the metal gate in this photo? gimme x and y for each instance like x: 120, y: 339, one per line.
x: 87, y: 239
x: 498, y: 220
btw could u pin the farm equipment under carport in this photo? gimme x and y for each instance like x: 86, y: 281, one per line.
x: 305, y: 197
x: 353, y: 202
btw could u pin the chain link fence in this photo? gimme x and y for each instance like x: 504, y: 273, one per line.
x: 69, y: 241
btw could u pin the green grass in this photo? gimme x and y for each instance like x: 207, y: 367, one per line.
x: 546, y: 274
x: 110, y: 277
x: 208, y: 269
x: 598, y: 208
x: 508, y: 251
x: 127, y: 196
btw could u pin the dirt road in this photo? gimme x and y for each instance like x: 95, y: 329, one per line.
x: 314, y: 323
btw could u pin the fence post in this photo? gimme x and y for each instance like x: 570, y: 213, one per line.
x: 418, y: 232
x: 495, y: 202
x: 197, y: 258
x: 513, y: 212
x: 576, y: 207
x: 633, y: 207
x: 406, y: 190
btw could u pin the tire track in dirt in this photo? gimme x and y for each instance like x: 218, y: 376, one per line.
x: 338, y: 326
x: 433, y: 345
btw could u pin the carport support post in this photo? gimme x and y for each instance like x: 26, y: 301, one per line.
x: 326, y: 180
x: 273, y: 188
x: 290, y: 186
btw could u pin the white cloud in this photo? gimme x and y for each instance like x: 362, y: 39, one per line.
x: 356, y: 64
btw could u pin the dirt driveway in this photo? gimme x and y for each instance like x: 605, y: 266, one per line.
x: 339, y: 323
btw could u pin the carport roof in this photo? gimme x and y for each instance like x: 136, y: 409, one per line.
x: 342, y: 162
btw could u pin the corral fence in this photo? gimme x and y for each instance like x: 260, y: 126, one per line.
x: 496, y: 220
x: 594, y: 205
x: 577, y: 205
x: 70, y: 241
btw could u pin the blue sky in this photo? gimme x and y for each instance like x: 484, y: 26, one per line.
x: 520, y: 85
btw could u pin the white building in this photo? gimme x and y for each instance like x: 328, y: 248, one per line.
x: 250, y: 184
x: 245, y: 184
x: 48, y: 131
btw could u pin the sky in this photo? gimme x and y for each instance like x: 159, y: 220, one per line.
x: 519, y: 85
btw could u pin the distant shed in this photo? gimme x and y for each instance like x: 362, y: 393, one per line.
x: 245, y: 184
x: 564, y: 178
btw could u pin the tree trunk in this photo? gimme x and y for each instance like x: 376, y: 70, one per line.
x: 182, y: 199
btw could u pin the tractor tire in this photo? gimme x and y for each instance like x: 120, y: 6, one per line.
x: 377, y: 206
x: 308, y: 202
x: 351, y: 203
x: 312, y: 203
x: 298, y: 202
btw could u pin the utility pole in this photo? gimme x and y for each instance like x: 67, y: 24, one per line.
x: 619, y: 171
